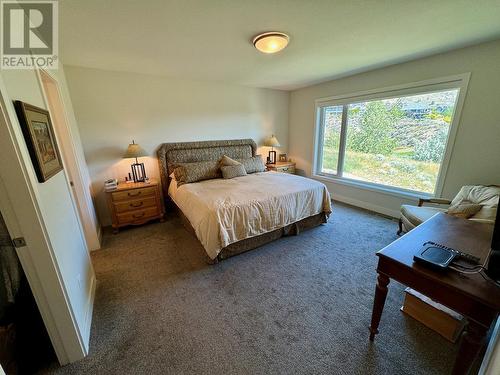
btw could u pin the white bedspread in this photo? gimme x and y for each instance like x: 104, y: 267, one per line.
x: 226, y: 211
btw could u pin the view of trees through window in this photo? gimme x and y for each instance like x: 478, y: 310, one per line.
x: 398, y: 142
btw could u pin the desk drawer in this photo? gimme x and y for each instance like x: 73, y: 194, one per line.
x: 137, y: 216
x: 133, y: 194
x: 135, y: 204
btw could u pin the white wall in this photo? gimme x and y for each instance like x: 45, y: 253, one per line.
x: 476, y: 154
x: 112, y: 108
x: 59, y: 216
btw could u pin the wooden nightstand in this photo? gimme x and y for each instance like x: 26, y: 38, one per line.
x: 282, y: 166
x: 135, y: 203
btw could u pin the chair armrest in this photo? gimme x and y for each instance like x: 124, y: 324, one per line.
x: 421, y: 201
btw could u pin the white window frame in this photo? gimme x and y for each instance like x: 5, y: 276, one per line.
x: 459, y: 81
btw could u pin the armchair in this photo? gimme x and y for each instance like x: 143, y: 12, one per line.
x: 484, y: 196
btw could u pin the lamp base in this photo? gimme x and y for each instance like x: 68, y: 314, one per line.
x: 138, y: 172
x: 272, y: 157
x: 493, y: 270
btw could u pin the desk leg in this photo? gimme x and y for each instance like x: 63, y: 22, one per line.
x: 473, y: 339
x: 378, y: 303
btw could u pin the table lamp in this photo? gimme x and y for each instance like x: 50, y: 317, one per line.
x: 136, y: 151
x: 272, y: 142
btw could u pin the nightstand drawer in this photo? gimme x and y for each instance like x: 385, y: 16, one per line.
x: 133, y: 194
x: 135, y: 204
x: 137, y: 216
x: 286, y: 169
x: 282, y: 167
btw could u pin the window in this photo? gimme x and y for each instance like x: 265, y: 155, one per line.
x: 391, y: 139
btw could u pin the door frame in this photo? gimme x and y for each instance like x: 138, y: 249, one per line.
x: 23, y: 217
x: 74, y: 164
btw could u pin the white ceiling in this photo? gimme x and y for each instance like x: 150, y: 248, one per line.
x: 211, y: 39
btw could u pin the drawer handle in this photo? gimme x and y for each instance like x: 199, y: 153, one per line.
x: 134, y: 195
x: 136, y: 204
x: 139, y: 216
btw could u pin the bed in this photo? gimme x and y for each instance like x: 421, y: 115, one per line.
x: 231, y: 216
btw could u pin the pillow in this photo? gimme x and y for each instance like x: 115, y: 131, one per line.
x: 464, y: 209
x: 186, y: 173
x: 232, y: 171
x: 226, y: 160
x: 253, y: 164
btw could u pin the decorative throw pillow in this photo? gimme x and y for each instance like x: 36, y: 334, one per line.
x: 226, y: 160
x: 253, y: 164
x: 232, y: 171
x: 186, y: 173
x: 464, y: 209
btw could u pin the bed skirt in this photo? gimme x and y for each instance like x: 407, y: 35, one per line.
x: 257, y: 241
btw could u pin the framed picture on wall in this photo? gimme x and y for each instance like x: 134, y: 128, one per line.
x: 40, y: 139
x: 283, y: 157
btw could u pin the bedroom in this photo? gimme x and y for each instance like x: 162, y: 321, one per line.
x: 164, y: 75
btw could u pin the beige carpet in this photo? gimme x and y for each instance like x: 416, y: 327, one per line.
x: 300, y: 305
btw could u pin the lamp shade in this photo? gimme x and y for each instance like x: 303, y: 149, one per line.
x: 272, y: 142
x: 271, y: 42
x: 134, y: 151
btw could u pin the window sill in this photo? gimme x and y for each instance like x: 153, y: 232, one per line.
x: 395, y: 192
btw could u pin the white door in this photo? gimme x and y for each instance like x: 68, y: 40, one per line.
x: 55, y: 258
x: 74, y: 162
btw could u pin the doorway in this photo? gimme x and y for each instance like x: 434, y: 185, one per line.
x: 75, y: 167
x: 25, y: 346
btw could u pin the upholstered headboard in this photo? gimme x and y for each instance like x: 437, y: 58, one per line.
x: 188, y: 152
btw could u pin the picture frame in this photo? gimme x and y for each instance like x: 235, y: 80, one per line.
x: 38, y: 133
x: 283, y: 157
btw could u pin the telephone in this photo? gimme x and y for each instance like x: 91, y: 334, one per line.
x: 110, y: 184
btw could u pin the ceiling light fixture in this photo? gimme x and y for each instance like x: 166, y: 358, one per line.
x: 271, y: 42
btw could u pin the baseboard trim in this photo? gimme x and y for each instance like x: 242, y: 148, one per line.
x: 98, y: 245
x: 88, y: 315
x: 366, y: 205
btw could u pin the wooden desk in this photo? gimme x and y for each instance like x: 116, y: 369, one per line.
x: 470, y: 295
